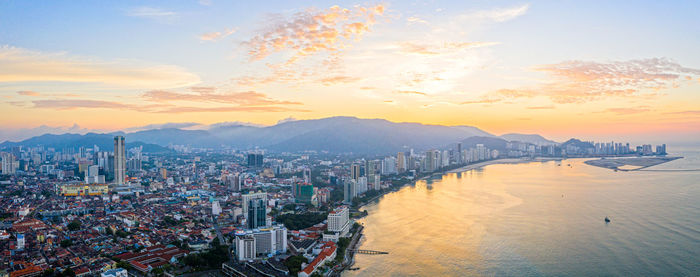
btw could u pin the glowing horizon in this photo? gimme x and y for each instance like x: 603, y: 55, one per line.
x: 630, y: 72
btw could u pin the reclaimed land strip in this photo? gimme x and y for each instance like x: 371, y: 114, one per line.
x: 639, y: 163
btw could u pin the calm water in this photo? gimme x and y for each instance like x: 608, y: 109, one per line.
x: 539, y: 219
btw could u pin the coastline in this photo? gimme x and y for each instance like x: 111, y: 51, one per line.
x: 490, y: 162
x: 468, y: 167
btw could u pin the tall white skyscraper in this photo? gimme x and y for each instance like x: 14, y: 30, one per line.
x: 8, y: 163
x: 119, y: 160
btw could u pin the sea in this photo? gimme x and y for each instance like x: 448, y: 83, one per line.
x: 540, y: 219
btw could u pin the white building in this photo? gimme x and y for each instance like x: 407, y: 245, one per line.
x: 245, y: 247
x: 375, y: 181
x: 8, y: 163
x: 339, y: 220
x: 267, y: 241
x: 361, y: 185
x: 389, y: 166
x: 215, y: 208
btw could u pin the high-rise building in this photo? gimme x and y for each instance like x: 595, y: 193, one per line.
x: 8, y: 163
x: 355, y: 171
x: 164, y: 173
x: 234, y: 182
x: 459, y: 153
x: 375, y: 182
x: 245, y: 198
x: 119, y: 160
x: 92, y: 175
x: 401, y: 162
x: 339, y: 220
x: 349, y: 190
x: 361, y: 185
x: 432, y: 160
x: 245, y: 247
x: 307, y: 175
x: 255, y: 160
x: 303, y: 192
x: 257, y: 213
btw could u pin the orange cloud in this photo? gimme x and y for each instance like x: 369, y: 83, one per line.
x: 310, y: 32
x: 623, y: 111
x: 541, y: 107
x: 21, y: 65
x: 580, y: 81
x: 213, y: 36
x: 338, y: 79
x: 410, y: 92
x: 248, y: 98
x: 28, y: 93
x: 444, y: 48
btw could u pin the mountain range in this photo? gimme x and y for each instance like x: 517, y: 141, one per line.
x: 333, y: 134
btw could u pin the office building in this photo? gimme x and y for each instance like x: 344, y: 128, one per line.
x: 355, y: 171
x: 255, y: 160
x: 401, y: 162
x: 119, y: 160
x: 257, y: 213
x: 349, y: 190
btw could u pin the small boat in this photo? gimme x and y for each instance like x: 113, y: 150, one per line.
x: 607, y: 220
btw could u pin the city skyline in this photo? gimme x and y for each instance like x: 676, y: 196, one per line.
x: 447, y: 63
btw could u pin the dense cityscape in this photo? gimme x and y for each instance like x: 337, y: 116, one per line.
x: 87, y: 211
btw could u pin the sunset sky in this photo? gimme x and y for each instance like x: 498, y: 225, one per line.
x: 588, y: 69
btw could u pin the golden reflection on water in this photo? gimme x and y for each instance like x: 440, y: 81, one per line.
x: 452, y: 214
x: 530, y: 219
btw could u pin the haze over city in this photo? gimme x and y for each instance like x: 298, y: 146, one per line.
x: 596, y: 70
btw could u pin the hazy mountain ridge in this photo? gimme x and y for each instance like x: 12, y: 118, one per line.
x: 333, y: 134
x: 529, y: 138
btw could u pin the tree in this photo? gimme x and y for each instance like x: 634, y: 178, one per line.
x: 66, y: 243
x: 301, y: 221
x: 68, y: 272
x: 294, y: 263
x: 124, y: 264
x: 74, y: 225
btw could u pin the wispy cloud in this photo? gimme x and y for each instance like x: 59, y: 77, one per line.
x: 152, y: 13
x: 410, y: 92
x: 414, y: 19
x: 28, y: 93
x: 444, y: 48
x: 500, y: 14
x: 69, y: 104
x: 214, y: 36
x: 338, y: 79
x: 480, y: 101
x: 248, y: 98
x: 541, y: 107
x: 625, y: 111
x: 689, y: 112
x: 21, y: 65
x: 582, y: 81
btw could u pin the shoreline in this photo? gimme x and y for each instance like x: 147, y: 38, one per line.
x: 468, y: 167
x: 491, y: 162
